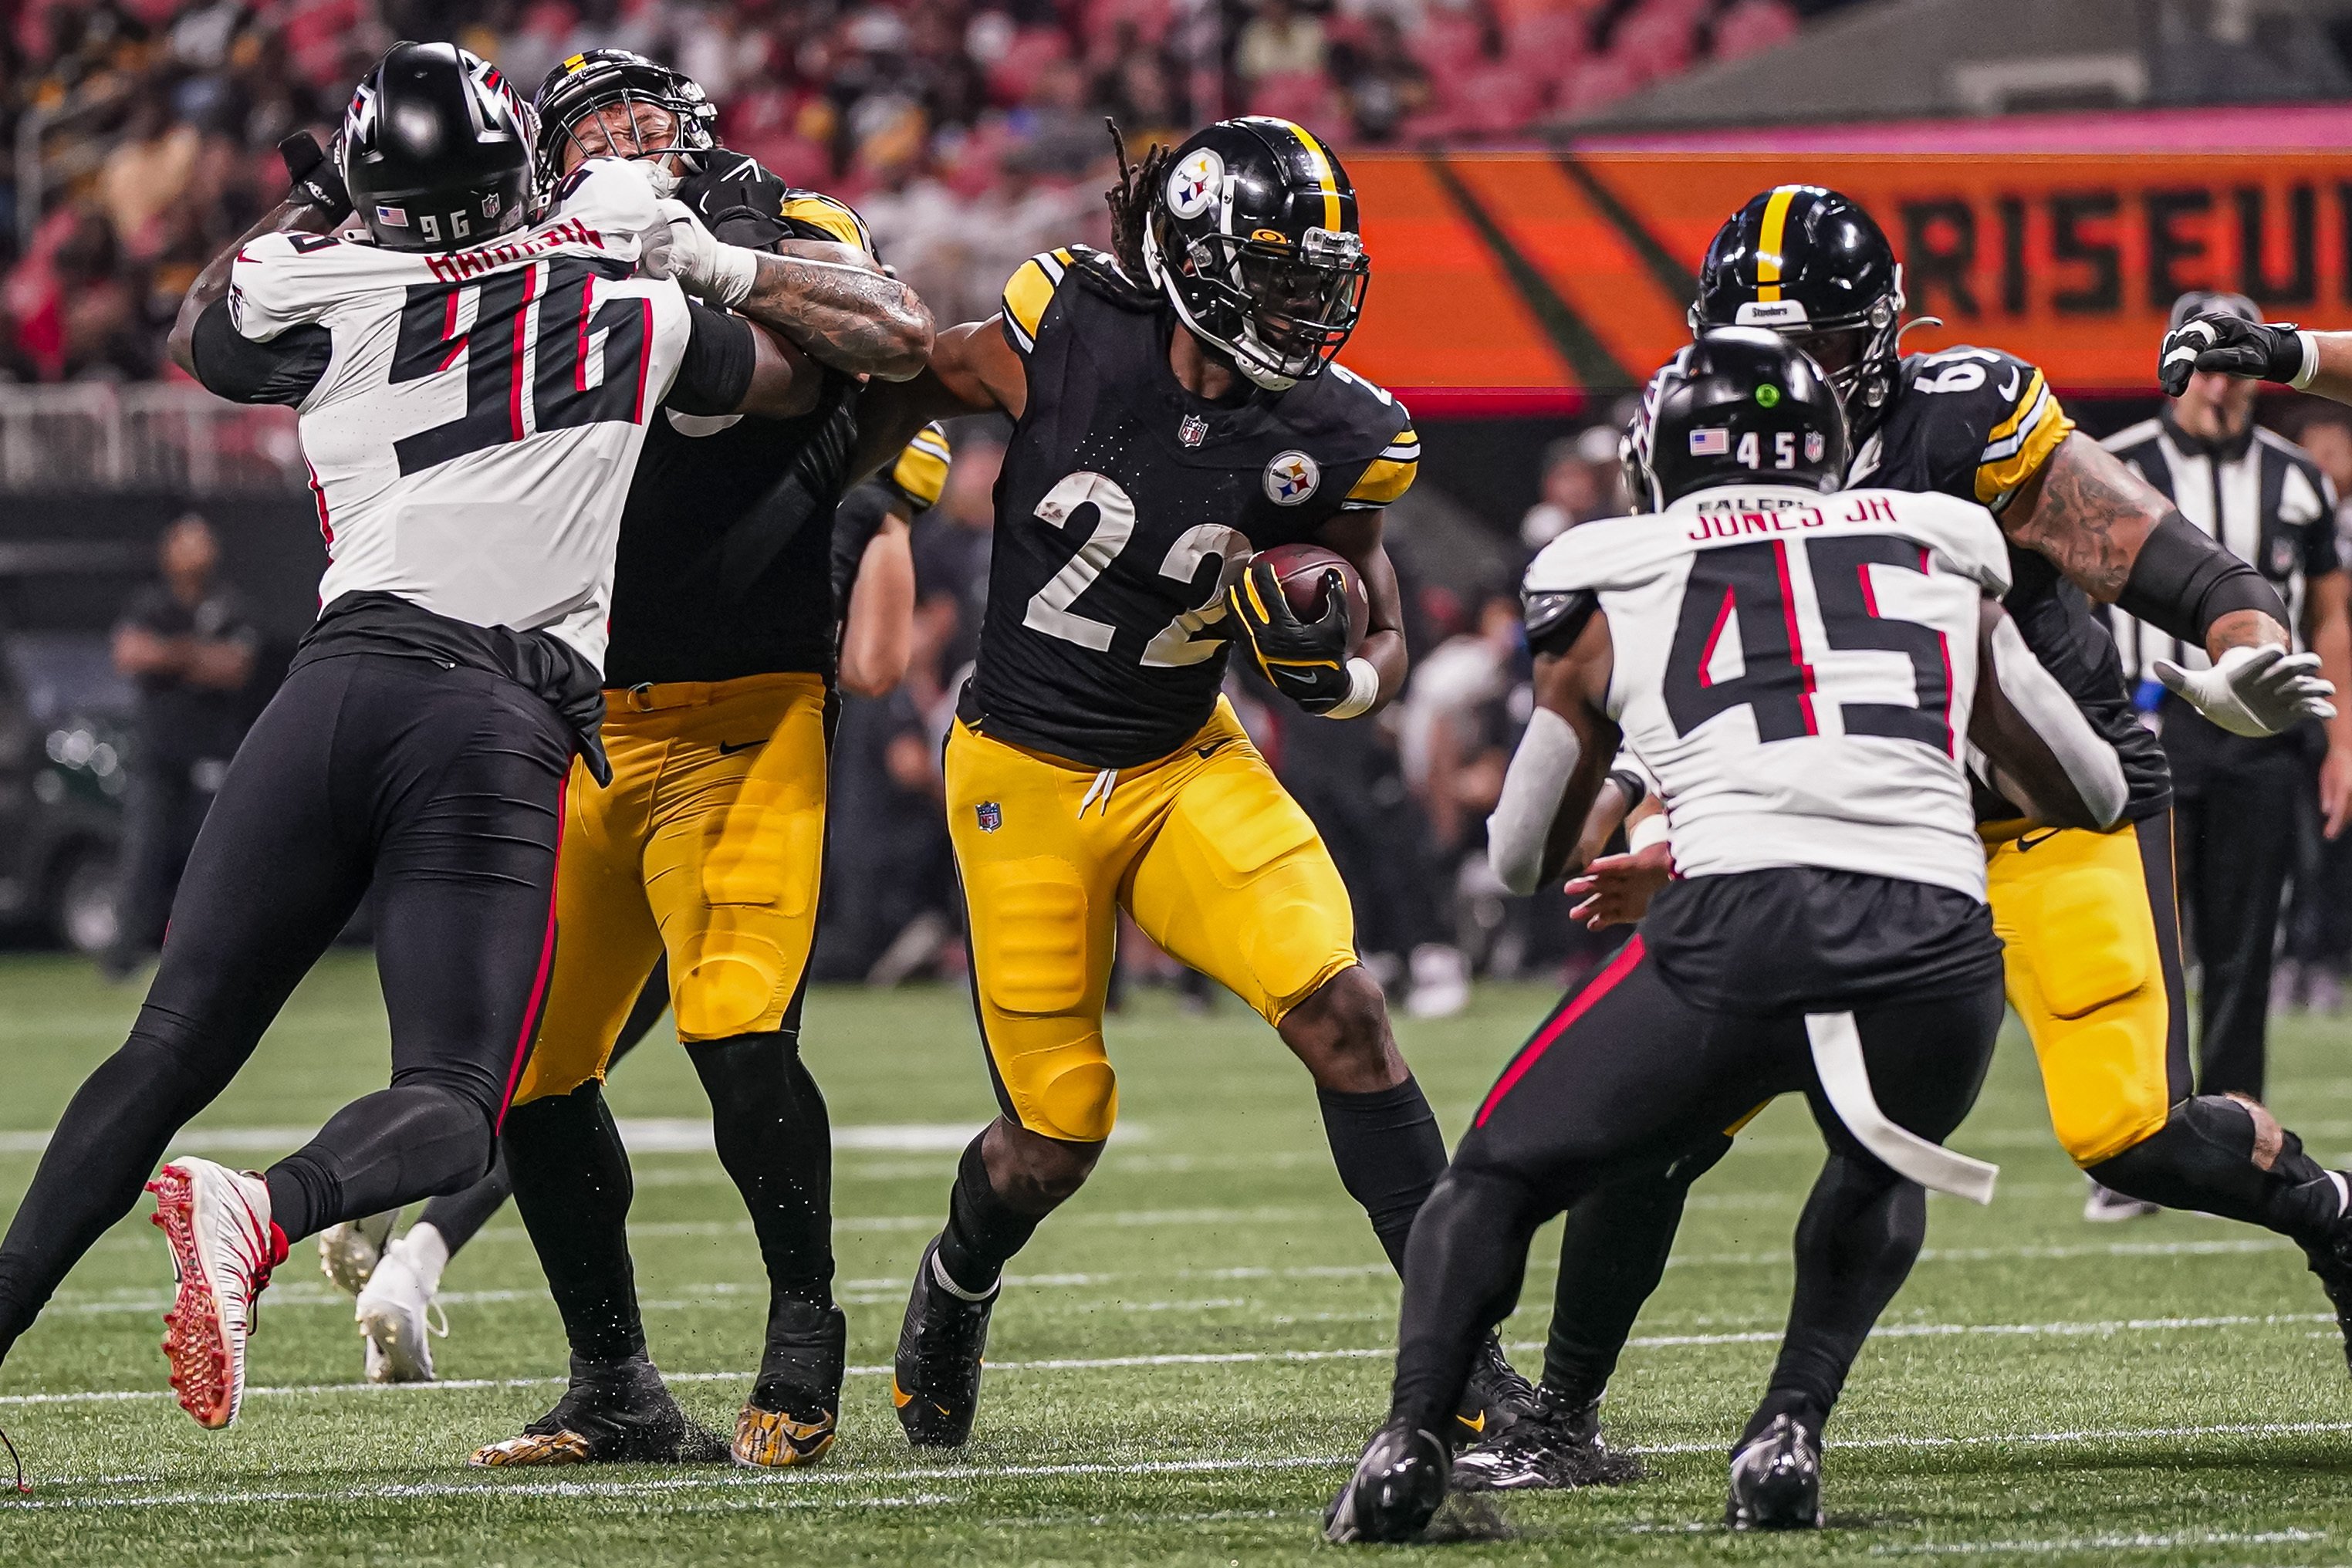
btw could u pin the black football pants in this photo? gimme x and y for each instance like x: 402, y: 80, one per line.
x: 442, y: 787
x: 1626, y: 1076
x: 2236, y: 842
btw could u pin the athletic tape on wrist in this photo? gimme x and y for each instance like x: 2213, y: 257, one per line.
x: 1648, y: 831
x: 732, y: 269
x: 2302, y: 378
x: 1533, y: 785
x: 1363, y: 690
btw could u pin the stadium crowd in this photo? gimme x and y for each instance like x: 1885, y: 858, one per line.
x: 968, y: 131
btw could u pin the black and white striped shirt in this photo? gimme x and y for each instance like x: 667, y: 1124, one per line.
x: 2258, y: 493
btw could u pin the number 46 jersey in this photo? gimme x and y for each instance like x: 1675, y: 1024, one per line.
x: 1125, y: 507
x: 1796, y: 670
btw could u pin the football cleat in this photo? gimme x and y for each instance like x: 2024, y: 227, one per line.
x: 223, y: 1249
x: 1495, y: 1398
x: 393, y: 1313
x: 1776, y: 1478
x: 935, y: 1380
x: 349, y: 1252
x: 2331, y: 1260
x: 2106, y: 1205
x: 620, y: 1415
x: 1555, y: 1446
x: 794, y: 1410
x: 1397, y: 1486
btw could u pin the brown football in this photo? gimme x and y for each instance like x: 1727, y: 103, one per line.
x: 1300, y: 568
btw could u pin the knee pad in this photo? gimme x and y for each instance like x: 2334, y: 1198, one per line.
x: 1077, y: 1104
x: 726, y: 986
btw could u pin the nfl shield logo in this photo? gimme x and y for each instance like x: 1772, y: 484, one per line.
x: 1193, y: 430
x: 992, y: 815
x: 1814, y: 446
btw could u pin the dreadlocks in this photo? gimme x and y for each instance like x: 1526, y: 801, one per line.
x: 1130, y: 200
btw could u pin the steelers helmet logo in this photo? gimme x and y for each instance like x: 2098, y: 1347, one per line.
x: 1192, y: 187
x: 1291, y: 477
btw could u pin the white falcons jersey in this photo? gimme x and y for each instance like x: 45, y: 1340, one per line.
x: 1796, y: 672
x: 471, y: 440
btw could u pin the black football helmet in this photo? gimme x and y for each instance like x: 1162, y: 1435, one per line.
x: 1253, y: 238
x: 1811, y: 263
x: 584, y: 83
x: 436, y: 150
x: 1740, y: 405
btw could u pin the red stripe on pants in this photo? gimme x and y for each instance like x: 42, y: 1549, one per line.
x: 546, y: 957
x: 1602, y: 984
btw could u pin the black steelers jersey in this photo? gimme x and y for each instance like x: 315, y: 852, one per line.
x: 727, y: 538
x: 1125, y: 507
x: 1976, y: 422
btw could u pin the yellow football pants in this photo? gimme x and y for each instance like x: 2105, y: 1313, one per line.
x: 1203, y: 847
x: 2093, y: 941
x: 708, y: 845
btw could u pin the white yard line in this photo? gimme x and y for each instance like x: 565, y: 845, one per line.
x: 2137, y: 1542
x: 642, y: 1134
x: 1231, y: 1358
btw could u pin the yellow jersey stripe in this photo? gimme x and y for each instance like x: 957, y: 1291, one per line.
x: 1319, y: 162
x: 1384, y: 479
x: 1026, y: 295
x: 1769, y: 241
x: 830, y: 216
x: 2023, y: 451
x: 921, y: 471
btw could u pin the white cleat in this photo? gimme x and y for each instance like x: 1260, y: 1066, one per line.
x: 223, y: 1249
x: 2106, y: 1205
x: 393, y: 1313
x: 348, y: 1253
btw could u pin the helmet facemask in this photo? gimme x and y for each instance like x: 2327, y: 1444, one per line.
x: 1280, y: 311
x: 631, y: 132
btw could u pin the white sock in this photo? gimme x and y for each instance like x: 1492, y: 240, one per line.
x: 947, y: 1283
x: 426, y: 1253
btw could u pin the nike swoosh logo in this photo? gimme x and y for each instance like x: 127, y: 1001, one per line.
x: 2026, y: 841
x: 1478, y: 1425
x: 2015, y: 375
x: 1212, y: 749
x: 899, y: 1396
x: 727, y: 748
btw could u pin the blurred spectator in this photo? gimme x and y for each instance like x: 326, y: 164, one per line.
x: 1280, y: 40
x: 2318, y: 949
x: 1580, y: 481
x: 1380, y: 80
x: 187, y: 646
x: 951, y: 544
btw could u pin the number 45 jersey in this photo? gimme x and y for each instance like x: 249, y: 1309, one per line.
x: 1796, y: 670
x: 470, y: 418
x: 1125, y: 507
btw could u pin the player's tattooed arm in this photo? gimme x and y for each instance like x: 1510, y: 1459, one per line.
x: 212, y: 283
x: 972, y: 370
x: 837, y: 307
x: 2090, y: 515
x: 1356, y: 536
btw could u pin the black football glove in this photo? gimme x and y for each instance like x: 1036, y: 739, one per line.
x: 2219, y: 341
x: 1307, y: 662
x: 316, y: 182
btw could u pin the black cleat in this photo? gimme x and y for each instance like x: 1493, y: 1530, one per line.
x: 2331, y: 1260
x: 1554, y: 1447
x: 620, y: 1415
x: 794, y: 1410
x: 1396, y: 1489
x: 1495, y: 1399
x: 935, y: 1382
x: 1776, y: 1478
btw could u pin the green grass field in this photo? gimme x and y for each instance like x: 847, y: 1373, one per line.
x: 1189, y: 1355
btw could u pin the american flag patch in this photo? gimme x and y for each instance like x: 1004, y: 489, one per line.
x: 1710, y: 443
x: 396, y: 216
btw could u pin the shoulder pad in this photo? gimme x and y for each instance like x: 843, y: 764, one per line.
x: 1028, y: 291
x: 1989, y: 419
x: 920, y: 474
x: 810, y: 215
x: 1101, y: 273
x: 1555, y: 620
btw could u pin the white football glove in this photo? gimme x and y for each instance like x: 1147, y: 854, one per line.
x: 2253, y: 691
x: 706, y: 265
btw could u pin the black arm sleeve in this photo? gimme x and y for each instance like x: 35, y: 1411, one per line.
x: 715, y: 375
x: 854, y: 523
x: 2183, y: 581
x: 1631, y: 785
x: 282, y: 370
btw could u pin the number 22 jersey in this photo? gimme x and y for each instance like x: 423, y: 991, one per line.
x: 1125, y: 507
x: 1796, y: 670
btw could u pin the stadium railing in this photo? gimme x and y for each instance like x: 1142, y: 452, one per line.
x: 171, y: 438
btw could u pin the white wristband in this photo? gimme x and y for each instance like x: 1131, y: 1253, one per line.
x: 1363, y: 690
x: 732, y: 268
x: 1648, y: 831
x: 2302, y: 378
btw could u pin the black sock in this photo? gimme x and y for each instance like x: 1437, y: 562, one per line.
x: 1861, y: 1232
x: 573, y: 1188
x: 1469, y: 1256
x: 1612, y: 1252
x: 457, y: 1216
x: 1390, y: 1154
x: 382, y: 1150
x: 983, y: 1231
x: 2204, y: 1159
x: 769, y: 1118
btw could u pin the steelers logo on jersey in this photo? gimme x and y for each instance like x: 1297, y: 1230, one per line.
x: 1194, y: 183
x: 1291, y: 477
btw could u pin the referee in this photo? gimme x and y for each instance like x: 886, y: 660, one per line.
x: 2235, y: 797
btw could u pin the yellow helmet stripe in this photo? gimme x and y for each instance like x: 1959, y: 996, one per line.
x: 1768, y: 243
x: 1320, y: 162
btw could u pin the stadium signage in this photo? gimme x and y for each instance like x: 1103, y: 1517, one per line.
x: 1573, y: 271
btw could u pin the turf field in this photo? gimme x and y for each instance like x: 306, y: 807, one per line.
x: 1190, y: 1354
